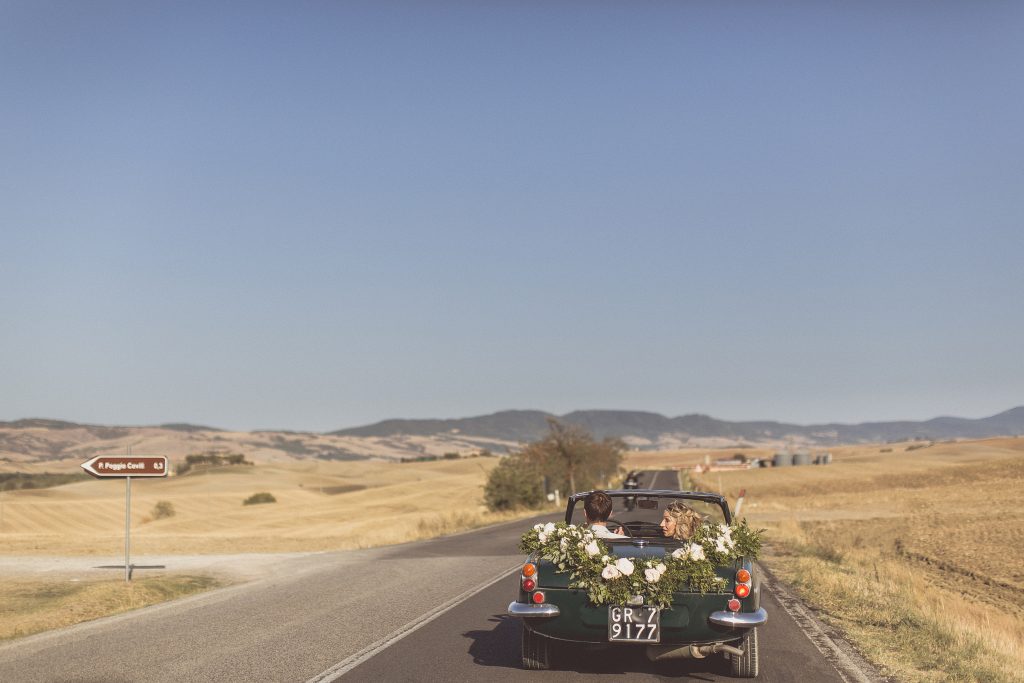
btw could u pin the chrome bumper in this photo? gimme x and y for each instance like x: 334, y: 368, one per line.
x: 739, y: 619
x: 520, y: 609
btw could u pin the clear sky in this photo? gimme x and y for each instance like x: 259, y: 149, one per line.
x: 313, y: 215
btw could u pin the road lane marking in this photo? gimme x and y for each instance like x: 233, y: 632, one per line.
x: 352, y: 661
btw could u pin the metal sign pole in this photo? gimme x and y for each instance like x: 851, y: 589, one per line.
x: 128, y: 525
x: 127, y: 528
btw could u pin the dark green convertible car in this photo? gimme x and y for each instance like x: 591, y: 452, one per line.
x: 689, y: 598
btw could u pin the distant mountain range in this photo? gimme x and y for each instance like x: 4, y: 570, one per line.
x: 35, y: 440
x: 642, y: 429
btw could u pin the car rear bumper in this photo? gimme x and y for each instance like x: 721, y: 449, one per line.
x: 519, y: 609
x: 739, y: 619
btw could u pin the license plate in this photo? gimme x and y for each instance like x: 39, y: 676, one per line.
x: 634, y: 624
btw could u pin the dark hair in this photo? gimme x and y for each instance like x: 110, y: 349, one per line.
x: 598, y: 506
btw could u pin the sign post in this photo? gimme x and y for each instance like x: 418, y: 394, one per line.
x: 125, y: 467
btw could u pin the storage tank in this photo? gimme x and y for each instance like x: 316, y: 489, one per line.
x: 826, y: 458
x: 782, y: 459
x: 802, y: 459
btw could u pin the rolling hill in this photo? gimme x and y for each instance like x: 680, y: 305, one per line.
x: 42, y: 441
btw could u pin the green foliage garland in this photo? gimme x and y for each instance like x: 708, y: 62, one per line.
x: 612, y: 580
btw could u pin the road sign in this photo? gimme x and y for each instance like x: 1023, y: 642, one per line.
x: 117, y: 466
x: 127, y: 467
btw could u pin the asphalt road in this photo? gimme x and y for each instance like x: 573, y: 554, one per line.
x: 429, y: 611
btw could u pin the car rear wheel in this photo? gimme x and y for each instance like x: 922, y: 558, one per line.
x: 748, y: 665
x: 536, y: 650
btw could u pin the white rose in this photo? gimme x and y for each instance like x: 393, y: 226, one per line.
x: 542, y: 537
x: 695, y: 552
x: 661, y: 567
x: 563, y: 543
x: 678, y: 553
x: 720, y: 545
x: 592, y: 548
x: 652, y: 575
x: 538, y: 527
x: 624, y: 565
x: 549, y: 527
x: 610, y: 572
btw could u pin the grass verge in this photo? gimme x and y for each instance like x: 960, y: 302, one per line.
x: 30, y: 606
x: 898, y: 616
x: 443, y: 524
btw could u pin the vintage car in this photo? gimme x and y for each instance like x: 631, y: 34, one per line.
x: 721, y: 619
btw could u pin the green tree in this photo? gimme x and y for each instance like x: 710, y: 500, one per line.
x: 568, y: 456
x: 514, y: 483
x: 571, y: 458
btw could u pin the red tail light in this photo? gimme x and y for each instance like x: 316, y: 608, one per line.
x: 742, y: 590
x: 538, y: 597
x: 529, y: 584
x: 734, y: 605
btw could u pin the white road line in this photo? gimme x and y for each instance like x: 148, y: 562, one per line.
x: 352, y: 661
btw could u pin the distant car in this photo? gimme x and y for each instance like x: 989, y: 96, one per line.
x: 722, y: 620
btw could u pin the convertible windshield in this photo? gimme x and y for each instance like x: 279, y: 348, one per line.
x: 640, y: 514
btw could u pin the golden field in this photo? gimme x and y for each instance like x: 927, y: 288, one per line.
x: 321, y: 505
x: 915, y: 554
x: 29, y: 606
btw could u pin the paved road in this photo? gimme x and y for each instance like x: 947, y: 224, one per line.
x: 369, y: 615
x: 659, y: 479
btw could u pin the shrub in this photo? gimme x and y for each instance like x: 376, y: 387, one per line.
x: 163, y: 509
x: 211, y: 459
x: 257, y: 498
x: 514, y: 483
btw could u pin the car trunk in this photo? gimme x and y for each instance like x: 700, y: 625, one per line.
x: 548, y: 575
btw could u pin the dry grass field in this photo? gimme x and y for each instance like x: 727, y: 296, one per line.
x: 321, y: 505
x: 29, y: 606
x: 915, y: 554
x: 34, y: 448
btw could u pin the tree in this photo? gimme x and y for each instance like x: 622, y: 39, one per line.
x: 571, y: 457
x: 514, y: 483
x: 568, y: 456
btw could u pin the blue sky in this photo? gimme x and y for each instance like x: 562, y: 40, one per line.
x: 318, y: 215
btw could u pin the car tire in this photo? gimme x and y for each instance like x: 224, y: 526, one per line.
x: 536, y: 650
x: 748, y: 665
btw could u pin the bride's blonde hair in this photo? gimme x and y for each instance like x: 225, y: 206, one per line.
x: 687, y: 520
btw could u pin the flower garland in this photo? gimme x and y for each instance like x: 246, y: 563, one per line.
x: 616, y: 580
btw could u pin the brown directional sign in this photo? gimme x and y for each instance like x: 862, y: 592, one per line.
x: 112, y: 466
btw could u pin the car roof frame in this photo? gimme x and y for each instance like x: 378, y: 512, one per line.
x: 653, y: 493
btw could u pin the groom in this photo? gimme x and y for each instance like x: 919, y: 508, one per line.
x: 597, y: 508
